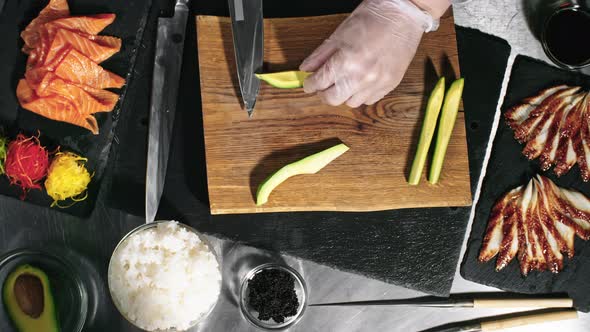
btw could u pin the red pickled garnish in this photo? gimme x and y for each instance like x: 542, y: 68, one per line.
x: 26, y: 163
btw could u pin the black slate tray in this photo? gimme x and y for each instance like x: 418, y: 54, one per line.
x: 415, y: 248
x: 507, y: 169
x: 129, y: 26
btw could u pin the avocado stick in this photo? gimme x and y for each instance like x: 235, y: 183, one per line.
x: 445, y: 128
x: 428, y: 125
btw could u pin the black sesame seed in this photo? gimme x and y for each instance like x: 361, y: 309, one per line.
x: 272, y: 294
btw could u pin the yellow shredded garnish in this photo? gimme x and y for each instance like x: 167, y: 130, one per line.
x: 67, y: 178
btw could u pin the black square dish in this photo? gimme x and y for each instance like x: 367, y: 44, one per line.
x: 507, y: 169
x: 131, y: 18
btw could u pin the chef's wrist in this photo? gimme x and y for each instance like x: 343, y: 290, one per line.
x: 436, y: 8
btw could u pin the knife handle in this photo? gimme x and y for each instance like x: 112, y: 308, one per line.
x: 528, y: 319
x: 524, y: 303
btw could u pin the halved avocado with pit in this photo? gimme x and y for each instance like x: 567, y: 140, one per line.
x: 285, y: 79
x: 28, y: 300
x: 308, y: 165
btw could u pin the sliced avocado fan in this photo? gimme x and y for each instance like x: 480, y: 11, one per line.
x: 285, y: 79
x: 308, y: 165
x: 28, y: 300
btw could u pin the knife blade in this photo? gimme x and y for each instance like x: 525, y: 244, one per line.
x: 418, y: 302
x: 248, y: 35
x: 167, y: 65
x: 459, y: 301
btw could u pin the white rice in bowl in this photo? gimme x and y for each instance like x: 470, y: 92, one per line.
x: 164, y: 278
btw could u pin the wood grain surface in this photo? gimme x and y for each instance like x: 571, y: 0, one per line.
x: 289, y: 125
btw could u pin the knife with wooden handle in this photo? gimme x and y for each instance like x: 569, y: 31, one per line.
x: 505, y: 323
x: 518, y: 302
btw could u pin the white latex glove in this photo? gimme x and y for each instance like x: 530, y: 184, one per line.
x: 368, y: 54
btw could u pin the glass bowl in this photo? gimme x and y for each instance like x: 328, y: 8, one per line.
x: 545, y: 42
x: 147, y: 227
x: 251, y: 314
x: 69, y: 293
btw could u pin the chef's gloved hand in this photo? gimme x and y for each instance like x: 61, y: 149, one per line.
x: 368, y: 54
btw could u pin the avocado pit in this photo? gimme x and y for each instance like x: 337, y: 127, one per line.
x: 28, y: 292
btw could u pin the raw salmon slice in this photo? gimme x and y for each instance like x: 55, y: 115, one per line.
x: 54, y: 107
x: 78, y: 68
x: 91, y: 24
x: 84, y: 101
x: 55, y: 9
x: 104, y: 97
x: 97, y: 48
x: 35, y: 75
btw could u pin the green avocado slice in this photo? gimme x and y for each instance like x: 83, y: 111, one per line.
x: 285, y: 79
x: 432, y: 110
x: 308, y: 165
x: 445, y: 128
x: 28, y: 300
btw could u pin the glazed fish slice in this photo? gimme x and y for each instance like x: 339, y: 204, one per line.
x: 566, y: 159
x: 555, y: 244
x: 548, y: 138
x: 583, y: 150
x: 525, y: 250
x: 565, y: 156
x: 516, y: 115
x: 547, y: 246
x: 569, y: 203
x: 537, y: 259
x: 537, y: 116
x: 552, y: 140
x: 535, y: 146
x: 578, y: 208
x: 562, y: 222
x: 509, y: 246
x: 558, y: 239
x: 494, y: 233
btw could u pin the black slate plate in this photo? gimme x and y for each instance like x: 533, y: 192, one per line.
x: 129, y: 26
x: 507, y: 169
x: 415, y: 248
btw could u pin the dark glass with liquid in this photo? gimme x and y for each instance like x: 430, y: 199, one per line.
x: 565, y: 38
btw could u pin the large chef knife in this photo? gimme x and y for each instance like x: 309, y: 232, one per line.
x: 247, y: 29
x: 167, y: 64
x: 463, y: 302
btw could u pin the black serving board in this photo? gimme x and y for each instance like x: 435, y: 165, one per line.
x: 414, y: 248
x: 129, y: 26
x: 507, y: 169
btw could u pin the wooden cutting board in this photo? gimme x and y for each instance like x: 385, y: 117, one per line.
x: 289, y: 125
